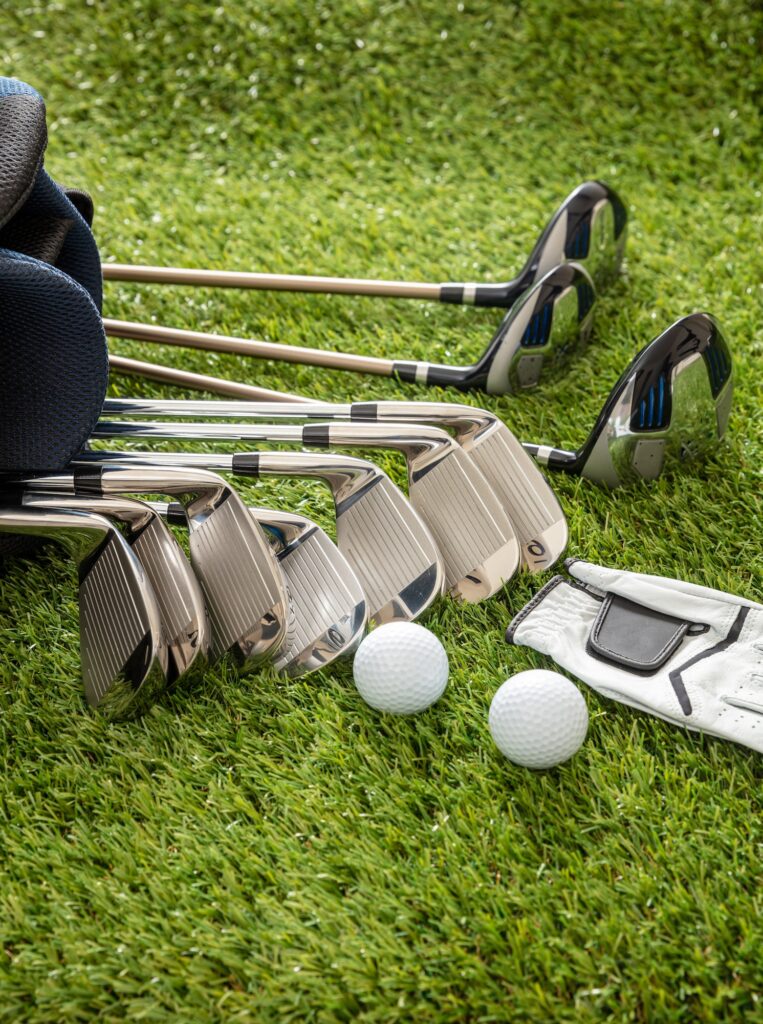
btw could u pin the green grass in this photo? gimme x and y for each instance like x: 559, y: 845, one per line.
x: 276, y: 851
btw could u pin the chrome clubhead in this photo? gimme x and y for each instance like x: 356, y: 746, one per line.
x: 478, y: 544
x: 512, y: 474
x: 328, y: 607
x: 538, y: 334
x: 123, y: 653
x: 183, y: 613
x: 238, y: 573
x: 671, y: 405
x: 590, y: 227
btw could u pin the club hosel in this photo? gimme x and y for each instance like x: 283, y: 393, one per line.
x: 466, y: 422
x: 81, y: 534
x: 493, y: 295
x: 136, y: 514
x: 344, y: 474
x: 174, y: 513
x: 422, y: 445
x: 199, y: 489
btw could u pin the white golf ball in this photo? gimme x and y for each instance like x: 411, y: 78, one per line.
x: 401, y: 668
x: 538, y: 719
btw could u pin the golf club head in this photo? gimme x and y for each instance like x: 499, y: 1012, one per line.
x: 329, y: 611
x: 124, y: 657
x: 523, y: 492
x: 479, y: 547
x: 672, y: 404
x: 519, y: 485
x: 185, y: 624
x: 382, y: 537
x: 238, y: 573
x: 539, y: 333
x: 590, y: 227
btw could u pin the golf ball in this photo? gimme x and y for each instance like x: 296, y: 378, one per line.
x: 538, y: 719
x: 401, y: 668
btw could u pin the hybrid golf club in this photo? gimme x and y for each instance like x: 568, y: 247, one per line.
x: 589, y: 227
x: 638, y: 426
x: 474, y: 535
x: 536, y: 334
x: 382, y: 537
x: 328, y: 610
x: 518, y: 483
x: 122, y: 647
x: 176, y: 589
x: 238, y: 573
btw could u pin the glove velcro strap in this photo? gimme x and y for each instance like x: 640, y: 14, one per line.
x: 557, y: 605
x: 638, y: 638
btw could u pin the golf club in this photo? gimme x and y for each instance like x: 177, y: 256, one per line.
x: 382, y: 537
x: 672, y: 403
x: 122, y: 648
x: 589, y: 227
x: 328, y: 610
x: 539, y: 332
x: 622, y: 445
x: 474, y: 535
x: 518, y: 483
x: 178, y: 595
x: 238, y: 573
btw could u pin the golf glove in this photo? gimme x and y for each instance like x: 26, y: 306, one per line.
x: 688, y: 654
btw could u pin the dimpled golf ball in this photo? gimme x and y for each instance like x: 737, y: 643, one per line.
x: 401, y: 668
x: 538, y: 719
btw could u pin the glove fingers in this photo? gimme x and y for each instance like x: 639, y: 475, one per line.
x: 655, y: 592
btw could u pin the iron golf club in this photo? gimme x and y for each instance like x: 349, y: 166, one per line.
x: 177, y: 591
x: 537, y: 333
x: 474, y: 535
x: 518, y: 483
x: 382, y: 537
x: 589, y: 227
x: 122, y: 649
x: 328, y: 611
x: 238, y: 573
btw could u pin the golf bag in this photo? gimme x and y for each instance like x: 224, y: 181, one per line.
x: 53, y: 357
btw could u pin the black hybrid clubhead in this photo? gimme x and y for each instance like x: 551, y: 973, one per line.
x: 671, y: 403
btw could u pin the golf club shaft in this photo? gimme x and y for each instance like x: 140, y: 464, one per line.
x: 249, y: 347
x: 286, y: 282
x: 553, y: 458
x: 198, y: 381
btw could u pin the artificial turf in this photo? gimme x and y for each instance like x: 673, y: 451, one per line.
x: 266, y: 850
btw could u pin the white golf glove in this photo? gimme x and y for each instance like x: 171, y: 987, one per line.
x: 688, y: 654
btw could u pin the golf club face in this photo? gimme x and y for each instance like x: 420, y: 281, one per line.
x: 238, y: 573
x: 524, y: 493
x: 185, y: 626
x: 124, y: 659
x: 328, y: 608
x: 590, y: 227
x: 540, y: 332
x: 479, y: 547
x: 383, y: 538
x: 477, y: 542
x: 670, y: 406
